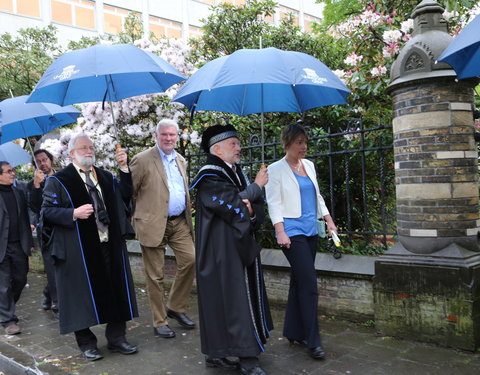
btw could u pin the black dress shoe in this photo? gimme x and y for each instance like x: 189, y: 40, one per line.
x: 317, y: 353
x: 224, y: 363
x: 181, y: 318
x: 257, y: 370
x: 123, y: 348
x: 92, y: 354
x: 164, y: 332
x: 46, y: 302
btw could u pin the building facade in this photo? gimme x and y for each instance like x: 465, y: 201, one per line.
x: 170, y: 18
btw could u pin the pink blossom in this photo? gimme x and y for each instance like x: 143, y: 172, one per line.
x: 406, y: 26
x: 378, y: 71
x: 391, y: 36
x: 390, y: 50
x: 353, y: 59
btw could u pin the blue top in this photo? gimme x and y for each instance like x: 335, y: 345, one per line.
x: 176, y: 187
x: 306, y: 224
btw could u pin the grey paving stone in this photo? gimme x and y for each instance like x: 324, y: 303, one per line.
x: 351, y: 348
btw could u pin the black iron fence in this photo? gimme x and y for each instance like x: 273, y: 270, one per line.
x: 355, y: 173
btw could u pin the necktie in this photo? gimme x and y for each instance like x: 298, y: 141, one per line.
x: 234, y: 168
x: 98, y: 206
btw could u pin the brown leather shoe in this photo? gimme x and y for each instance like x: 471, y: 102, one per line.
x: 12, y: 329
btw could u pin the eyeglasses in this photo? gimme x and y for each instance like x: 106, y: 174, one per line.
x: 10, y: 171
x: 85, y: 148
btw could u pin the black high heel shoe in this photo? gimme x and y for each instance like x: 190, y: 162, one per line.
x: 317, y: 353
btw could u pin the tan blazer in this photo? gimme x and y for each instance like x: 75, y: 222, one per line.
x: 151, y: 195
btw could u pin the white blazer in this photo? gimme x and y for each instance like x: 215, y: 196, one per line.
x: 283, y: 191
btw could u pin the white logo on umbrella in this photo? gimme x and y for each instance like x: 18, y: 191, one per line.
x: 313, y: 76
x: 67, y: 72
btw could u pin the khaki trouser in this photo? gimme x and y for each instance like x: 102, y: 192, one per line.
x: 178, y: 237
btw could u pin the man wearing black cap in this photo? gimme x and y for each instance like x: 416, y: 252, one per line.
x: 233, y: 308
x: 15, y: 246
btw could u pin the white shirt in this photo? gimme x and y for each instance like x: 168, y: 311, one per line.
x: 103, y: 235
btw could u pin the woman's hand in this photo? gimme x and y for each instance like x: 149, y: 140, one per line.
x: 331, y: 227
x: 283, y: 240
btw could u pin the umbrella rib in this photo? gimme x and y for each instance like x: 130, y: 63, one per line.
x: 299, y: 109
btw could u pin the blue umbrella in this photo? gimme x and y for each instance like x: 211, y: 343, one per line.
x: 14, y: 154
x: 262, y: 80
x: 104, y: 72
x: 19, y: 119
x: 463, y: 53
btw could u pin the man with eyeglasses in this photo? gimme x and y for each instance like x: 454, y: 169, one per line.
x: 43, y: 163
x: 86, y: 207
x: 15, y: 247
x: 163, y: 217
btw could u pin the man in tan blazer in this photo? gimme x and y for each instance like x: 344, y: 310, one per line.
x: 162, y: 217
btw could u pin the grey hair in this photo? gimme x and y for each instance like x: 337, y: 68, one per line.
x: 73, y: 140
x: 211, y: 149
x: 166, y: 122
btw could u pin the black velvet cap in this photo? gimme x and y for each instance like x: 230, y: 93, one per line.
x: 215, y: 134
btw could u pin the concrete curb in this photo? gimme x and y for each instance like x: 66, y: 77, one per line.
x: 14, y: 361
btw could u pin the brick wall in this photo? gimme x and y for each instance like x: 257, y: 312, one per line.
x: 342, y: 294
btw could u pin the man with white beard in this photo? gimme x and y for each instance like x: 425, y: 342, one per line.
x: 85, y: 205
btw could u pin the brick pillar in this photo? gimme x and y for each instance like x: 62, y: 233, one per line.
x: 426, y: 287
x: 436, y: 165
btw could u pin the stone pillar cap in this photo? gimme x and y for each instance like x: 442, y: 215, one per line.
x: 417, y: 59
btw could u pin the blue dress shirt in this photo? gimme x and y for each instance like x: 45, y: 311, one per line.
x: 176, y: 187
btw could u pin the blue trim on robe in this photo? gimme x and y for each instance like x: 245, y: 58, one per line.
x: 81, y: 249
x: 125, y: 274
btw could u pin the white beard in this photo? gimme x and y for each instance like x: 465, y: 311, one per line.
x: 85, y: 161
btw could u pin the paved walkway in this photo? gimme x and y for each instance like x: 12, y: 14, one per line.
x: 351, y: 349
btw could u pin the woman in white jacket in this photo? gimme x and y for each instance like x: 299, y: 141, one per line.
x: 294, y: 204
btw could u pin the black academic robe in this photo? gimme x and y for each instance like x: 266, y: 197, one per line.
x: 233, y: 308
x: 92, y: 288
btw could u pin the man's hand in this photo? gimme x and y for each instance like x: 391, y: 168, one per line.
x: 38, y: 178
x: 83, y: 212
x: 249, y: 206
x: 262, y: 177
x: 32, y: 227
x: 121, y: 157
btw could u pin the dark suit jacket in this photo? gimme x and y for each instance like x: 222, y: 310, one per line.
x: 26, y: 240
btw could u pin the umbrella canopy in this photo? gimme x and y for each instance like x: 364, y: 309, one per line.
x: 14, y: 154
x: 19, y: 119
x: 463, y: 53
x: 262, y: 80
x: 104, y: 72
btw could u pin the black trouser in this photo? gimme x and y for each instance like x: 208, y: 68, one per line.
x: 50, y: 290
x: 13, y: 278
x: 301, y: 320
x: 114, y: 332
